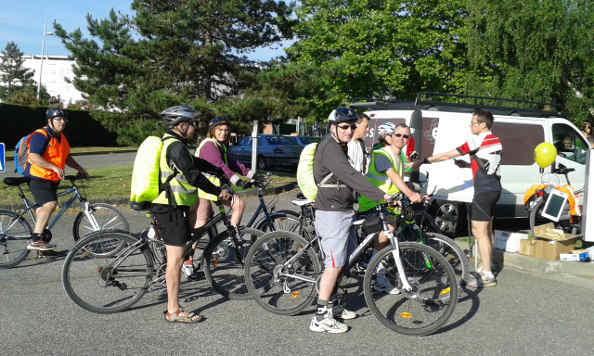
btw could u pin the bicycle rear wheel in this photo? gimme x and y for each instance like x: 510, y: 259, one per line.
x: 223, y: 262
x: 15, y: 233
x: 102, y: 217
x: 449, y: 249
x: 107, y: 284
x: 276, y: 286
x: 432, y: 299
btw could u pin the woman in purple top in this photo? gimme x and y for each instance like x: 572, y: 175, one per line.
x: 214, y: 150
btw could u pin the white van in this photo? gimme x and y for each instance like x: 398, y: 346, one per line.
x: 440, y: 128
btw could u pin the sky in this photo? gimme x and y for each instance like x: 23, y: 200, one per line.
x: 22, y: 22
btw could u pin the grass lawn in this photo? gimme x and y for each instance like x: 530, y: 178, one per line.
x: 10, y: 154
x: 111, y: 184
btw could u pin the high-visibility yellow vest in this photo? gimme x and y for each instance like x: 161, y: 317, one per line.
x: 183, y: 192
x: 381, y: 180
x: 212, y: 178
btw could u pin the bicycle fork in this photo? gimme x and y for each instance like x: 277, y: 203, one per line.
x: 396, y: 254
x: 90, y: 217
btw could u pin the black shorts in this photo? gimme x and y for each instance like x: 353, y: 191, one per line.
x: 43, y: 191
x: 173, y: 223
x: 483, y: 205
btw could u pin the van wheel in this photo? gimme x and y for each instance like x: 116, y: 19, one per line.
x: 449, y: 217
x: 262, y: 164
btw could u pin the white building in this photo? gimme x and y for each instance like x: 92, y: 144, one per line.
x: 55, y: 70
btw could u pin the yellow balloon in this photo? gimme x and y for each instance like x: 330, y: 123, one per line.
x: 545, y: 154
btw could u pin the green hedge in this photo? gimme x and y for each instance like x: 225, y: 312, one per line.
x: 94, y: 128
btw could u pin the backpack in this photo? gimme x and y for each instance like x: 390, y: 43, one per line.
x: 305, y: 175
x: 21, y: 152
x: 146, y: 184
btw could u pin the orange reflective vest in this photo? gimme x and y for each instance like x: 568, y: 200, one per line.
x: 56, y: 153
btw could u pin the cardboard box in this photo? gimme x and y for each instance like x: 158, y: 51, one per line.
x: 550, y: 250
x: 527, y: 247
x: 508, y: 241
x: 545, y: 249
x: 548, y: 231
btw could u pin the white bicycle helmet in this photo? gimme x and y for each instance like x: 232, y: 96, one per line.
x: 386, y: 129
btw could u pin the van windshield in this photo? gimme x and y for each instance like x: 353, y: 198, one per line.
x: 569, y: 143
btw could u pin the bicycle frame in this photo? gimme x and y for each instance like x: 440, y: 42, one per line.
x: 354, y: 256
x: 75, y: 195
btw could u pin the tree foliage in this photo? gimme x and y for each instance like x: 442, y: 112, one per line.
x: 539, y: 50
x: 172, y: 51
x: 372, y: 48
x: 13, y: 76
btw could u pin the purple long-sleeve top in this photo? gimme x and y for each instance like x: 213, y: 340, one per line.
x: 214, y: 155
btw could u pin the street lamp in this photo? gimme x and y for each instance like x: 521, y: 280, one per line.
x: 43, y: 49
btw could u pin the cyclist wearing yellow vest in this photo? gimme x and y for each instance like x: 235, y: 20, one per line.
x: 49, y: 153
x: 171, y: 208
x: 385, y: 172
x: 213, y: 149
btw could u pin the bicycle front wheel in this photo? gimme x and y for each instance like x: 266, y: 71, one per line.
x: 101, y: 217
x: 281, y: 274
x: 107, y: 284
x: 15, y: 233
x: 223, y: 262
x: 432, y: 299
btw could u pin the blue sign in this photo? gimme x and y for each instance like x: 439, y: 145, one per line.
x: 2, y: 158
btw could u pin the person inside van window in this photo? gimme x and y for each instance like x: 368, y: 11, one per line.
x: 485, y: 151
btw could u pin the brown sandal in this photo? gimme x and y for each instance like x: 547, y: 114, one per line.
x: 181, y: 316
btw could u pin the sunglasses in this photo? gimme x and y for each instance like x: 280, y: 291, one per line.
x: 346, y: 127
x: 401, y: 135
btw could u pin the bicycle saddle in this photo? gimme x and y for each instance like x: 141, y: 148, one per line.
x: 562, y: 169
x: 15, y: 181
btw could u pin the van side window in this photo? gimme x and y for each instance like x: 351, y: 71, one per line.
x: 569, y: 143
x: 519, y: 141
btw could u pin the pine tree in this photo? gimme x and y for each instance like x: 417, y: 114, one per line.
x: 172, y: 51
x: 13, y: 76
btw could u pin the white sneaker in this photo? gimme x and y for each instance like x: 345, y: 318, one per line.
x: 345, y: 314
x: 188, y: 268
x: 327, y: 325
x: 382, y: 284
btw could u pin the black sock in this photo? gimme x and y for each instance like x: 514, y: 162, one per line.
x: 324, y: 307
x: 35, y: 237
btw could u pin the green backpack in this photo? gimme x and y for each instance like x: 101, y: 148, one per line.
x: 145, y: 186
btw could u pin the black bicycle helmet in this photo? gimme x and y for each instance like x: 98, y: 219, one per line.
x: 216, y: 121
x: 342, y: 114
x: 176, y: 114
x: 54, y: 112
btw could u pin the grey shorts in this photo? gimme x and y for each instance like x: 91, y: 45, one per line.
x: 338, y: 239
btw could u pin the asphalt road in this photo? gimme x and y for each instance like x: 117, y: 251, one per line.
x: 523, y: 315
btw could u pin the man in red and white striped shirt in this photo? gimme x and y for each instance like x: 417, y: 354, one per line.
x: 485, y: 151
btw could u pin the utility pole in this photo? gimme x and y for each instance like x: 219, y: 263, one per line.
x: 45, y: 33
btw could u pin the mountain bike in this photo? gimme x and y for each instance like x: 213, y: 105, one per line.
x: 15, y: 228
x: 265, y: 218
x: 417, y: 225
x: 108, y: 283
x: 283, y: 270
x: 568, y: 218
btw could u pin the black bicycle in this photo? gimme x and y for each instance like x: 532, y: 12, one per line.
x: 15, y: 229
x: 283, y: 269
